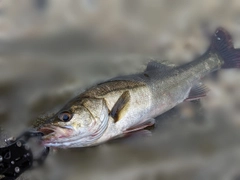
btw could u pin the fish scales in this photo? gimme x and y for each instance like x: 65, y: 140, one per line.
x: 123, y: 105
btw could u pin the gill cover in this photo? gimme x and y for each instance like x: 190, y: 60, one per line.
x: 88, y: 123
x: 99, y: 112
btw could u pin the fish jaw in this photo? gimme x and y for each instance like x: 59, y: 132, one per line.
x: 55, y: 133
x: 67, y: 138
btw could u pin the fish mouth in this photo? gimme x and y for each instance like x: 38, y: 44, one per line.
x: 46, y: 130
x: 54, y: 133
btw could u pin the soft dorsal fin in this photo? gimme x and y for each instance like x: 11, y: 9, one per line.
x: 161, y: 66
x: 198, y: 91
x: 119, y: 108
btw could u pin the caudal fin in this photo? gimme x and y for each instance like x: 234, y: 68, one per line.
x: 222, y: 44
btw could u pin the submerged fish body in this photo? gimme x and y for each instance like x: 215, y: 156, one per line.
x: 129, y: 103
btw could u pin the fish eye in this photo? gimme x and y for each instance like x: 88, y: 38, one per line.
x: 65, y: 116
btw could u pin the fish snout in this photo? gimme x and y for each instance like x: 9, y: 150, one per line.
x: 54, y: 133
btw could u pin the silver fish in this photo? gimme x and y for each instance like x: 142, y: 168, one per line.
x: 123, y: 105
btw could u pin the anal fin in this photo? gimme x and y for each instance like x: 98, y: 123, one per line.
x: 198, y: 91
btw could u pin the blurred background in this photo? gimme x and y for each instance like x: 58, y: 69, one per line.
x: 52, y: 50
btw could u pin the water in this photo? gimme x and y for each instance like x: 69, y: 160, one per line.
x: 196, y: 140
x: 50, y: 52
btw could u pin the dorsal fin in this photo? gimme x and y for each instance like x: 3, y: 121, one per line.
x: 197, y: 91
x: 161, y: 66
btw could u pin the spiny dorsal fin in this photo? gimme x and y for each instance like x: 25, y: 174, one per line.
x: 198, y: 91
x: 161, y: 66
x: 119, y: 107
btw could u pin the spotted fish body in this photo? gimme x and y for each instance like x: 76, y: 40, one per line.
x: 126, y: 104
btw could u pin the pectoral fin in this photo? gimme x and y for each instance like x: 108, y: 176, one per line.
x: 120, y: 107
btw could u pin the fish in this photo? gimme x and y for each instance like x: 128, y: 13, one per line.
x: 127, y: 104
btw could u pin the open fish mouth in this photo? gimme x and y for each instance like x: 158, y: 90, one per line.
x: 47, y: 130
x: 53, y: 133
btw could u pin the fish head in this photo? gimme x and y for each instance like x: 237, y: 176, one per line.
x: 78, y: 124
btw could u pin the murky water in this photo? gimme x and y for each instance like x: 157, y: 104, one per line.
x: 196, y: 140
x: 51, y: 52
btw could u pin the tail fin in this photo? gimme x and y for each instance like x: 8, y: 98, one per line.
x: 222, y: 44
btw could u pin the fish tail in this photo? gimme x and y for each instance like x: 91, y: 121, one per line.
x: 222, y: 44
